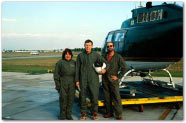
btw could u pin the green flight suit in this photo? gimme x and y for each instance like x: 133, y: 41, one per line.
x: 111, y: 87
x: 88, y: 78
x: 64, y: 77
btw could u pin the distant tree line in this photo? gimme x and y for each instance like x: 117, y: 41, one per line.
x: 97, y: 49
x: 81, y: 49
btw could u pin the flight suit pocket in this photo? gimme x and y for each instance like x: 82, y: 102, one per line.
x: 114, y: 81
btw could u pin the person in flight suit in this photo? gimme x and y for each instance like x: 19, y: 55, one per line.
x: 110, y: 82
x: 87, y: 79
x: 64, y: 77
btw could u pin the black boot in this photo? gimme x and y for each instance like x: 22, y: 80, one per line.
x: 69, y: 118
x: 62, y: 118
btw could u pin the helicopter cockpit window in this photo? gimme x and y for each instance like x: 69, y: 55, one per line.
x: 140, y: 17
x: 154, y: 16
x: 150, y: 16
x: 119, y: 37
x: 109, y: 38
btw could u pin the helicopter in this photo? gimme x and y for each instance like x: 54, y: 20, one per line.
x: 152, y: 40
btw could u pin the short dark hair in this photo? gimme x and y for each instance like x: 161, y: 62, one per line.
x: 111, y: 42
x: 65, y: 52
x: 88, y: 41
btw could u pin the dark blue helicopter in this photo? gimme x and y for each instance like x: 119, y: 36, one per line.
x: 151, y: 40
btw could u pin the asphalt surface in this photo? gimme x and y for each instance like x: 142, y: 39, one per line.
x: 33, y: 97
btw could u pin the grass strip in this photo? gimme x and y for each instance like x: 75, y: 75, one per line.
x: 27, y: 69
x: 44, y: 69
x: 165, y: 74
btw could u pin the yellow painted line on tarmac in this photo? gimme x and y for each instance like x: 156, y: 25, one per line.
x: 11, y: 101
x: 32, y: 83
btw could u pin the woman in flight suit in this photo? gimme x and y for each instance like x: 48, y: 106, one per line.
x: 64, y: 76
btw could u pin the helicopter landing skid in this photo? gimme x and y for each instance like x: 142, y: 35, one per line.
x: 153, y: 82
x: 121, y: 84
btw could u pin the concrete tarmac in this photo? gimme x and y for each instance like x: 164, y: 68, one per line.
x: 33, y: 97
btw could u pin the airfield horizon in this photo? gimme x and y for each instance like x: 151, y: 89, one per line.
x: 45, y: 65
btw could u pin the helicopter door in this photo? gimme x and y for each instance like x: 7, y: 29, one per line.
x: 119, y: 41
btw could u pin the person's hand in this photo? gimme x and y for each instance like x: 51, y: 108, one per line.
x: 58, y: 89
x: 102, y: 71
x: 77, y: 84
x: 114, y: 77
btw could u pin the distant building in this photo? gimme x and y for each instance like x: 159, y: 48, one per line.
x: 21, y: 51
x: 34, y: 53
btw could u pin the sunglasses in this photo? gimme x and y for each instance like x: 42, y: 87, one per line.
x: 109, y: 46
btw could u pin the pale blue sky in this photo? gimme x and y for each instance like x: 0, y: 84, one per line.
x: 58, y: 25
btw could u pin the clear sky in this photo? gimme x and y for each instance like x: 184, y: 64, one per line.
x: 58, y: 25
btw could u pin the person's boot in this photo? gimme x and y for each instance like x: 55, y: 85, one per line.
x: 69, y: 118
x: 108, y: 115
x: 83, y: 116
x: 119, y: 117
x: 95, y: 116
x: 62, y: 118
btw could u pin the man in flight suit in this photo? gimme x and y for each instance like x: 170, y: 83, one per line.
x: 111, y: 83
x: 87, y: 78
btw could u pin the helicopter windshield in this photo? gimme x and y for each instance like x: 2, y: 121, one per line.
x: 119, y: 36
x: 109, y: 37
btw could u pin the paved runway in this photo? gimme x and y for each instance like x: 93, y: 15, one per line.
x: 33, y: 97
x: 30, y: 57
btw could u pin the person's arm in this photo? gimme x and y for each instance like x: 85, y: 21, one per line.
x: 123, y: 67
x: 106, y: 62
x: 77, y: 70
x: 56, y: 77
